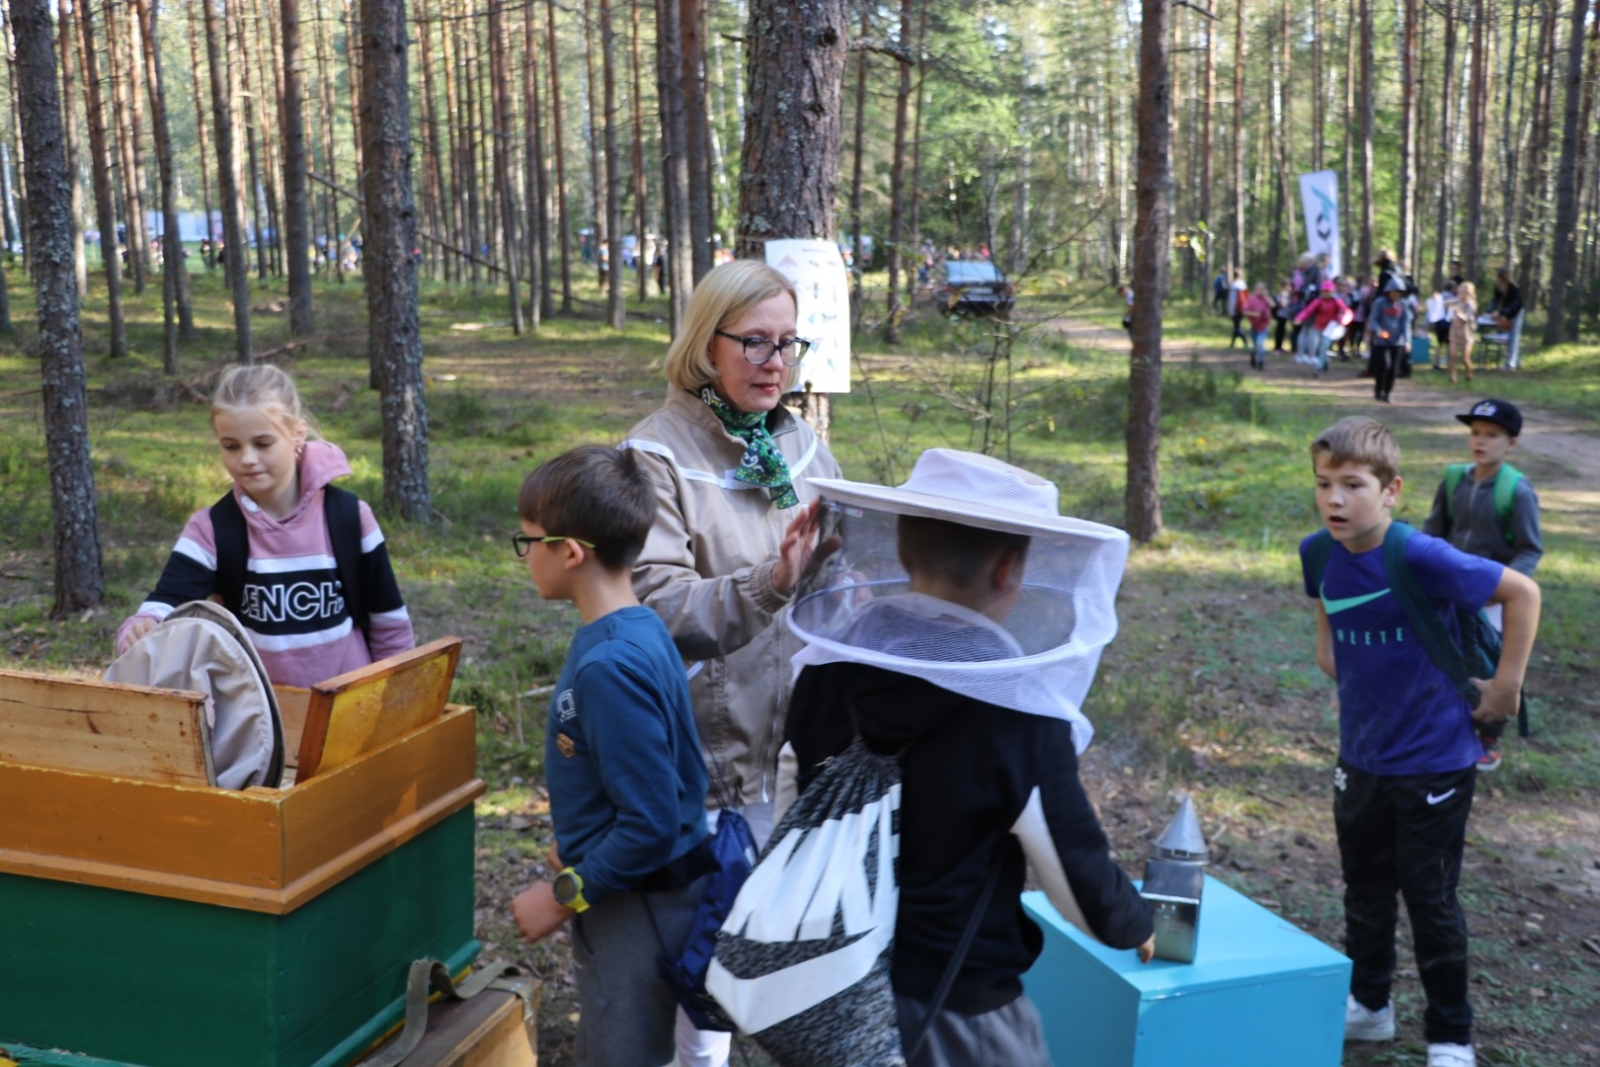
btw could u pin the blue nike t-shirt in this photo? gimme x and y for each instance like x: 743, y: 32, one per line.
x: 1398, y: 713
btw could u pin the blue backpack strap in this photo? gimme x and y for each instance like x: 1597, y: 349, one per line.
x: 1423, y: 615
x: 233, y: 550
x: 343, y: 512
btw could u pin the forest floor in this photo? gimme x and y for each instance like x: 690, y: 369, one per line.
x: 1210, y: 688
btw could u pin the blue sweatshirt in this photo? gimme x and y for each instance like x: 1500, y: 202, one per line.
x: 622, y: 760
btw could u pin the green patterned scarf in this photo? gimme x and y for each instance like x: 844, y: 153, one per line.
x: 762, y: 464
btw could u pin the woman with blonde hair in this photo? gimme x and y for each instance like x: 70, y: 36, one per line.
x: 1463, y: 327
x: 735, y: 525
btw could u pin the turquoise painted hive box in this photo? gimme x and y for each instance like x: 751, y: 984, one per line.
x: 1261, y: 993
x: 151, y: 923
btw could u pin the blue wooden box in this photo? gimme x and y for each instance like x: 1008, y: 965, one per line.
x: 1261, y: 993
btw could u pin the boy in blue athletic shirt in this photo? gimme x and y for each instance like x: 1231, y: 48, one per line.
x: 622, y: 761
x: 1408, y: 746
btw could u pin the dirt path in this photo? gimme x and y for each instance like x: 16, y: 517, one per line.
x: 1560, y: 451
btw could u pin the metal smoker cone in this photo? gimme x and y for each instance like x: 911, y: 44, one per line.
x: 1182, y: 839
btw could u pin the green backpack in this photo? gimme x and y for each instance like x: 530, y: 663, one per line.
x: 1505, y: 491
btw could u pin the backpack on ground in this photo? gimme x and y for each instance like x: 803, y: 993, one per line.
x: 342, y: 509
x: 1478, y: 653
x: 1505, y: 493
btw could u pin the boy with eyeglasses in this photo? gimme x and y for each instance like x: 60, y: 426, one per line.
x: 622, y: 761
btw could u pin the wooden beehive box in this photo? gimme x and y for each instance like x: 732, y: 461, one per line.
x: 148, y: 918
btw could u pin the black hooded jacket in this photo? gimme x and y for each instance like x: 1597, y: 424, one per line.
x: 981, y: 786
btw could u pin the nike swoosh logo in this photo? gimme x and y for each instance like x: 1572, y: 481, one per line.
x: 1333, y: 607
x: 1441, y: 797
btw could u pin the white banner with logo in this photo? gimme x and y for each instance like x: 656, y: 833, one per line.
x: 1319, y: 194
x: 823, y: 286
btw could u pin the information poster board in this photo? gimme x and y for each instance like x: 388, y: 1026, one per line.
x: 823, y: 286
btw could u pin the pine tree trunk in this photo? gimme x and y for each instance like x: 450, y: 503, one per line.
x: 534, y: 175
x: 1509, y: 156
x: 698, y: 145
x: 858, y: 263
x: 394, y: 339
x: 1351, y: 35
x: 432, y: 163
x: 1368, y: 106
x: 1536, y: 196
x: 128, y: 148
x: 1408, y: 131
x: 100, y: 174
x: 1236, y: 242
x: 79, y: 578
x: 1448, y: 80
x: 296, y: 213
x: 68, y: 38
x: 325, y: 88
x: 1575, y: 293
x: 1319, y: 96
x: 599, y: 234
x: 1563, y: 261
x: 500, y: 74
x: 250, y: 115
x: 1478, y: 92
x: 235, y: 258
x: 675, y: 156
x: 175, y: 275
x: 616, y: 279
x: 208, y: 245
x: 897, y: 181
x: 1208, y: 99
x: 641, y: 191
x: 1151, y: 255
x: 563, y: 235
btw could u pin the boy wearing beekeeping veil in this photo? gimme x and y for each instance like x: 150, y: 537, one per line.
x: 956, y: 621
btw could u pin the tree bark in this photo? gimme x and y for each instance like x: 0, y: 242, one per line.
x: 394, y: 338
x: 296, y: 214
x: 641, y: 191
x: 1319, y: 96
x: 1236, y: 241
x: 1575, y: 294
x: 1368, y: 106
x: 500, y: 75
x: 1478, y: 93
x: 177, y: 307
x: 208, y: 253
x: 564, y: 227
x: 1151, y: 254
x: 1351, y: 35
x: 1447, y: 132
x: 1563, y: 261
x: 615, y: 279
x: 1208, y: 82
x: 68, y: 38
x: 697, y: 127
x: 79, y: 578
x: 128, y: 148
x: 1408, y: 130
x: 1535, y: 196
x: 100, y: 172
x: 234, y: 251
x: 858, y: 262
x: 675, y: 156
x: 599, y: 234
x: 897, y: 180
x: 537, y: 174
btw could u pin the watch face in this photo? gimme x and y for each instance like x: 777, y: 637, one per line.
x: 565, y: 888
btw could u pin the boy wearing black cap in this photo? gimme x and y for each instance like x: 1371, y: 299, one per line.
x: 1488, y: 508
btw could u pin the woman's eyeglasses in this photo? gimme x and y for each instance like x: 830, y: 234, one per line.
x: 521, y: 542
x: 757, y: 350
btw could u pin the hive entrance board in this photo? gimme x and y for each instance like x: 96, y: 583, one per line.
x: 125, y: 731
x: 358, y: 711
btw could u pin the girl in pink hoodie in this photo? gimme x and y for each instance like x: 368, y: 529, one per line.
x: 1325, y: 311
x: 310, y: 618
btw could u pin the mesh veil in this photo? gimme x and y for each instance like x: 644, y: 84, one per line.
x: 855, y: 605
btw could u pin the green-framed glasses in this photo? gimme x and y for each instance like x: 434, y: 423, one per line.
x: 520, y: 542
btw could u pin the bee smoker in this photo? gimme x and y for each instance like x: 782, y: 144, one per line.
x: 1173, y: 881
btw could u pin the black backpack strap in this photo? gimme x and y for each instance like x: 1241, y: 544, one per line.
x: 343, y: 511
x: 954, y: 967
x: 1317, y: 553
x: 1423, y: 616
x: 233, y: 550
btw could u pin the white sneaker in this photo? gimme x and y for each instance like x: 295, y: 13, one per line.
x: 1442, y: 1055
x: 1361, y: 1023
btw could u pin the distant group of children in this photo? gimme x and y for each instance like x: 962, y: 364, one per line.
x: 624, y: 762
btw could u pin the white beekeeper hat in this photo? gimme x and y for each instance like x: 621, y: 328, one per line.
x: 855, y: 604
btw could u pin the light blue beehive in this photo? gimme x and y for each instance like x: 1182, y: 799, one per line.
x: 1261, y: 993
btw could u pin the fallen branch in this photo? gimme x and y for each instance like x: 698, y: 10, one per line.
x: 1274, y: 801
x: 423, y: 234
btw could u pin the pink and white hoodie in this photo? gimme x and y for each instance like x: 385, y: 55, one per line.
x: 293, y: 606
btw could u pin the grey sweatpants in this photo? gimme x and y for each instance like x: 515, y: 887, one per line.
x: 1011, y: 1036
x: 625, y: 1007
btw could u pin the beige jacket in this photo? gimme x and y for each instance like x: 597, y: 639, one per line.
x: 706, y: 569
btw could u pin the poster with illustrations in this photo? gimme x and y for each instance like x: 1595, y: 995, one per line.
x: 823, y: 286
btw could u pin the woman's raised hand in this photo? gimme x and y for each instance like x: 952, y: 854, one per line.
x: 799, y: 541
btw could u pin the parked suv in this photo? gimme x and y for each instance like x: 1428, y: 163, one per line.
x: 974, y: 287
